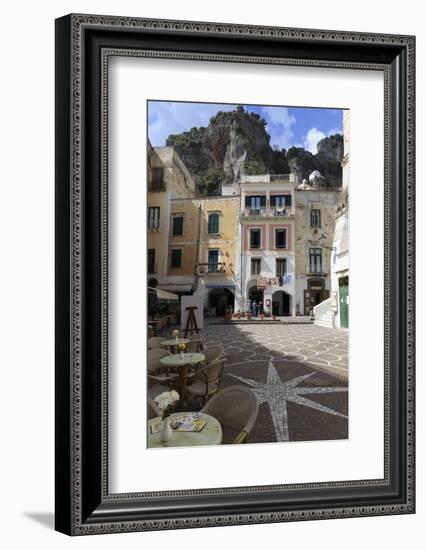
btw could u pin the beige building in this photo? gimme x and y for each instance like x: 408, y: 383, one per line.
x: 314, y: 222
x: 340, y: 263
x: 334, y: 312
x: 168, y: 178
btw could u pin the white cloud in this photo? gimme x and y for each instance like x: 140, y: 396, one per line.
x: 313, y: 136
x: 280, y: 126
x: 334, y: 131
x: 167, y: 118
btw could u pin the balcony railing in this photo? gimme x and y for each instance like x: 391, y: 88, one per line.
x: 207, y: 268
x: 156, y: 186
x: 316, y: 269
x: 268, y: 212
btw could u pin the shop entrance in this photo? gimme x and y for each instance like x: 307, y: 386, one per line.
x: 281, y: 303
x: 314, y: 295
x: 220, y: 300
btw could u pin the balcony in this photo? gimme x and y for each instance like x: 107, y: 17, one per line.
x: 315, y: 269
x: 156, y: 186
x: 270, y: 212
x: 211, y: 268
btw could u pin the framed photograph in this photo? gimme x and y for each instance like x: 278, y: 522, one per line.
x: 234, y: 274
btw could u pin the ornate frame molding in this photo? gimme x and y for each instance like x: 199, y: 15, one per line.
x: 76, y: 510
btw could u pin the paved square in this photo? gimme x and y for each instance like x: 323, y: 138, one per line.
x: 299, y: 374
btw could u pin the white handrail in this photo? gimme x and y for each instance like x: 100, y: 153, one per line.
x: 322, y: 308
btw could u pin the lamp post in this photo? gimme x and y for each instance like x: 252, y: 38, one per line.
x: 323, y: 240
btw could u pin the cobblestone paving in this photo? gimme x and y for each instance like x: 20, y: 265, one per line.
x: 298, y: 374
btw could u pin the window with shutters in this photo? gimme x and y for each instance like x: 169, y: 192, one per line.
x: 281, y: 201
x: 154, y: 217
x: 256, y: 264
x: 177, y: 225
x: 213, y: 224
x: 255, y: 203
x: 281, y: 238
x: 176, y: 258
x: 255, y: 236
x: 280, y: 267
x: 157, y: 179
x: 213, y: 261
x: 315, y: 260
x: 315, y: 218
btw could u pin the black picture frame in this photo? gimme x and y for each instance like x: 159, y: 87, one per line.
x: 83, y: 44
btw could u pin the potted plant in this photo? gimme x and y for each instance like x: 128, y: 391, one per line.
x: 182, y: 347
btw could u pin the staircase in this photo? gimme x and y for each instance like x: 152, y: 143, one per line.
x: 323, y: 315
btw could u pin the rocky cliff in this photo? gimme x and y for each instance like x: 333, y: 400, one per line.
x: 236, y: 143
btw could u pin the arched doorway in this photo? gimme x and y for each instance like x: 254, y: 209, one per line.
x: 281, y: 303
x: 220, y: 299
x: 255, y: 294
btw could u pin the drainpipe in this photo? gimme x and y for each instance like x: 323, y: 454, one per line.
x: 198, y: 251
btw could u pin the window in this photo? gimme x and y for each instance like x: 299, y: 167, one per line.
x: 254, y: 238
x: 315, y: 260
x: 255, y: 203
x: 256, y: 266
x: 157, y: 183
x: 213, y: 261
x: 154, y: 217
x: 176, y: 258
x: 280, y: 238
x: 213, y: 224
x: 280, y: 267
x: 315, y: 218
x: 281, y: 201
x: 177, y: 226
x: 151, y: 260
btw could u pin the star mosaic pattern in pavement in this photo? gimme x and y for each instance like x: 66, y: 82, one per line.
x: 276, y: 394
x: 297, y: 372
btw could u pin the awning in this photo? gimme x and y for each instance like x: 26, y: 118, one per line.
x: 163, y: 294
x: 219, y: 285
x: 177, y: 287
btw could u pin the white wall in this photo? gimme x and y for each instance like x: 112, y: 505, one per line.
x: 26, y: 219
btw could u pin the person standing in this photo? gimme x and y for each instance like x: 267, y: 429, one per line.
x: 253, y: 308
x: 260, y: 307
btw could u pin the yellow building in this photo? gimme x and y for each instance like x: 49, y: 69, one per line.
x: 203, y: 249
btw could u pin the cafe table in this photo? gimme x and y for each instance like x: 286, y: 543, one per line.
x: 181, y: 362
x: 173, y: 342
x: 211, y: 434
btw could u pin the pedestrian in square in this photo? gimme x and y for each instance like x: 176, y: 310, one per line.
x: 253, y: 308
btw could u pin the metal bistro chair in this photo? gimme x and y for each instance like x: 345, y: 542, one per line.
x: 236, y: 409
x: 155, y: 342
x: 196, y: 342
x: 213, y: 352
x: 153, y: 409
x: 157, y: 373
x: 205, y: 382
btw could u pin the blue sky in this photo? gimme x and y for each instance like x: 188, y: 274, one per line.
x: 287, y: 126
